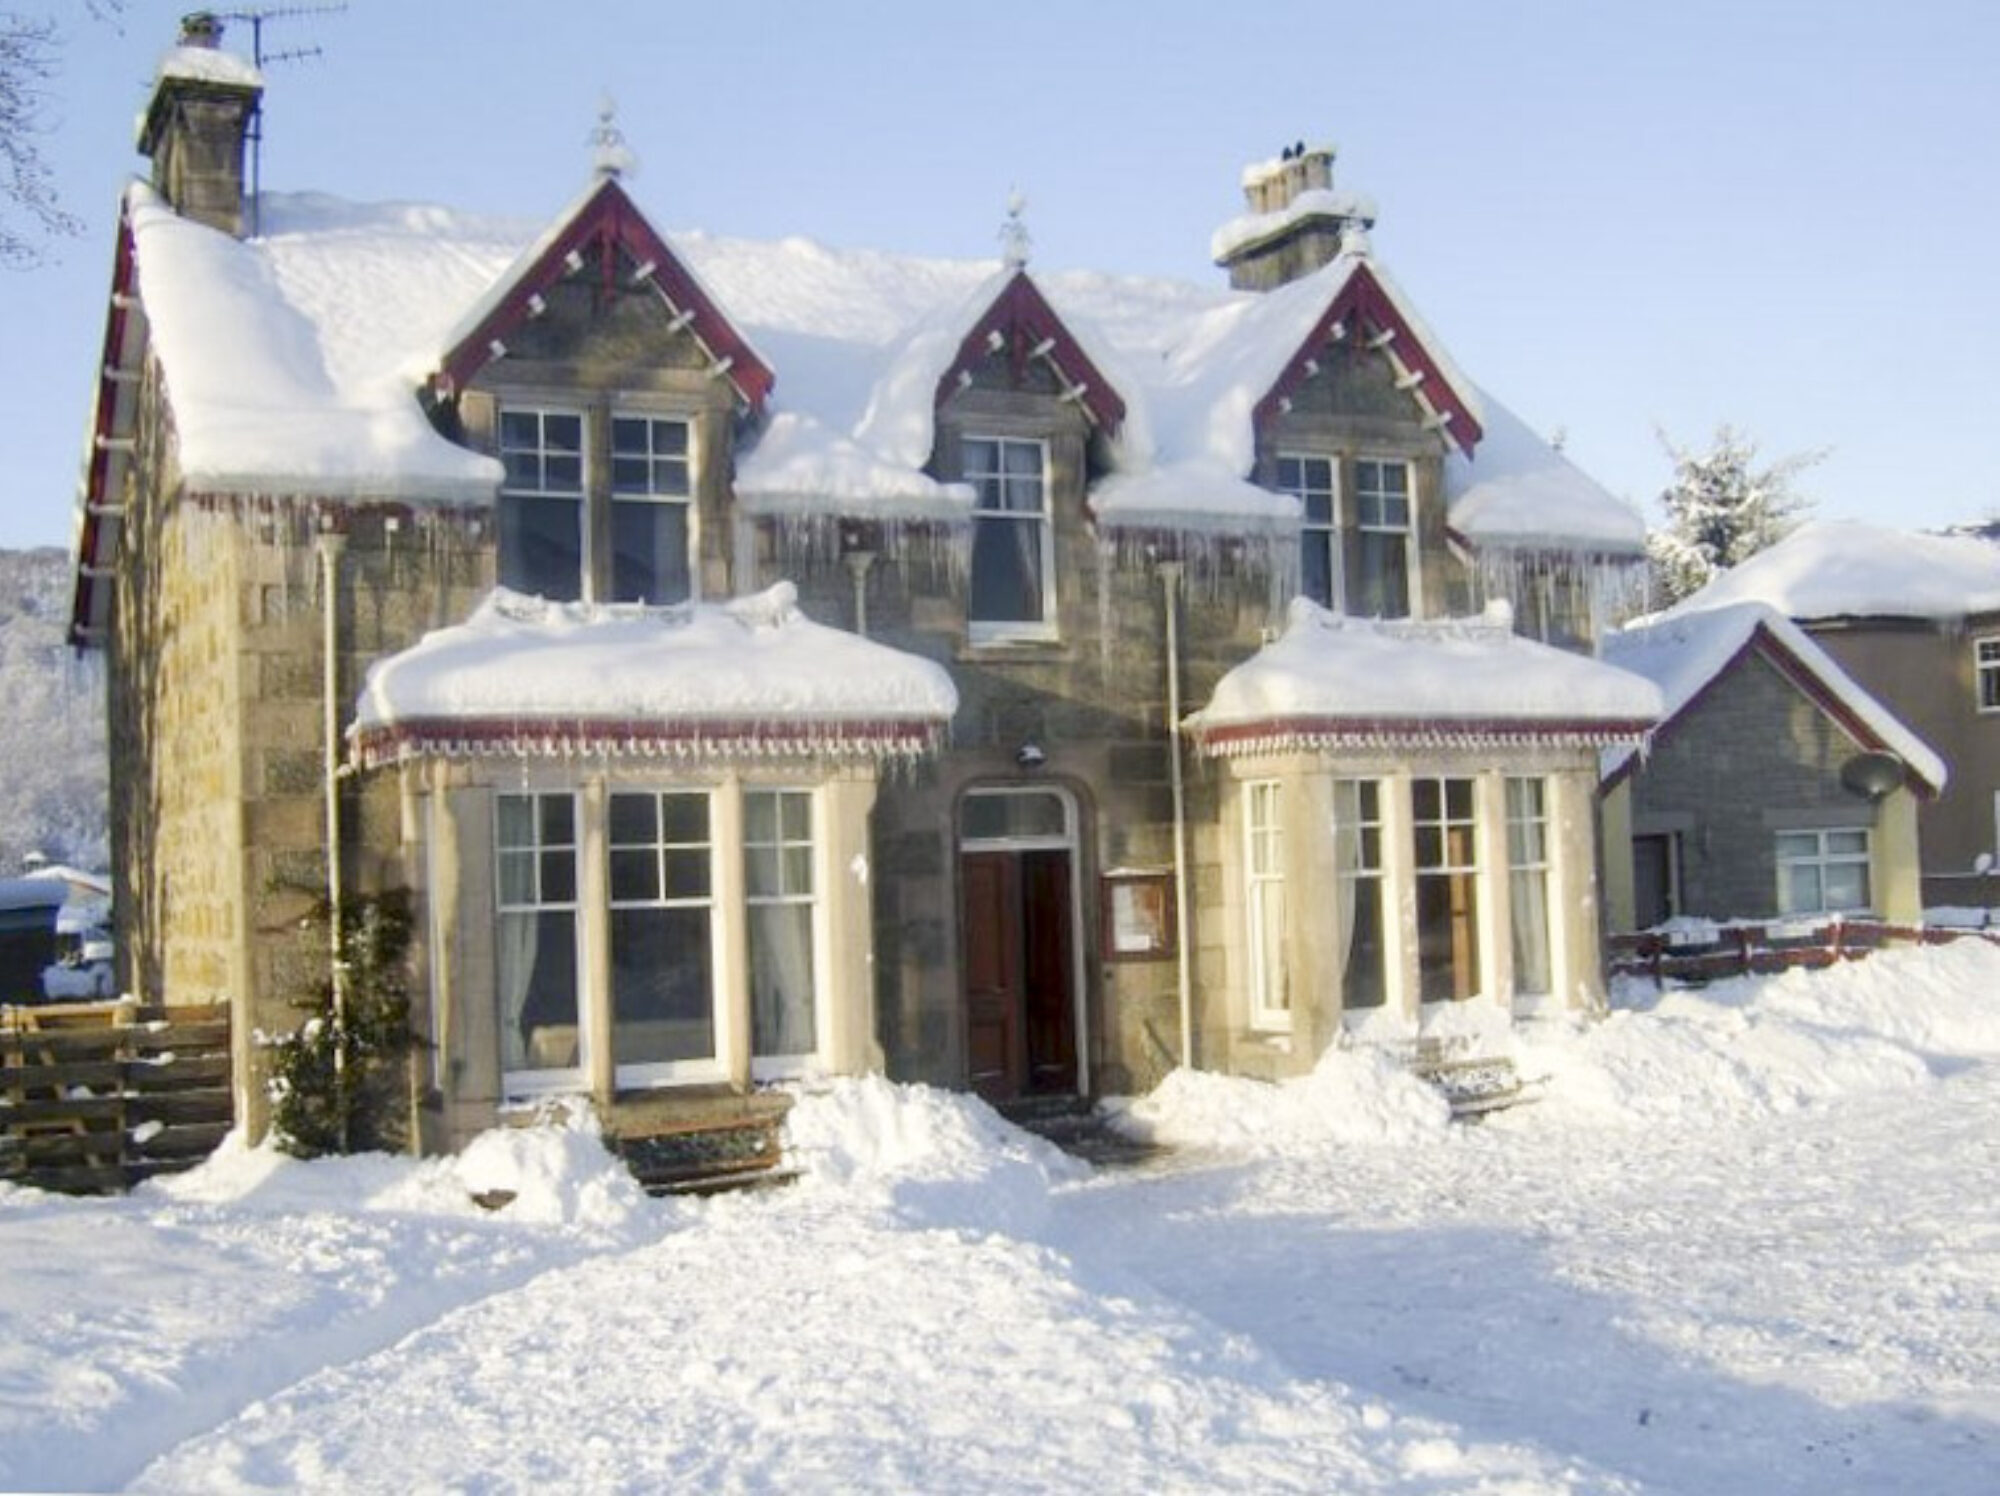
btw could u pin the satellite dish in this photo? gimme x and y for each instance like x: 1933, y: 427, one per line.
x: 1872, y: 775
x: 1983, y: 864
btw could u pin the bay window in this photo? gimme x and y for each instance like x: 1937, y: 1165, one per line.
x: 1364, y: 953
x: 1447, y: 881
x: 540, y: 1020
x: 1264, y: 841
x: 1528, y: 885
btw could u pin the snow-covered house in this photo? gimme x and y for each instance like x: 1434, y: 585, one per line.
x: 1774, y: 785
x: 1914, y: 620
x: 757, y: 659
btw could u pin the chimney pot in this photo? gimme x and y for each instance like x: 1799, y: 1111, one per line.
x: 201, y: 28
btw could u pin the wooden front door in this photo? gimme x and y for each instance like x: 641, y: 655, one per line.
x: 1020, y: 963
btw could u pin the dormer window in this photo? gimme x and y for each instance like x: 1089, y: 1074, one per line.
x: 1313, y: 481
x: 594, y: 506
x: 1384, y: 551
x: 1013, y: 540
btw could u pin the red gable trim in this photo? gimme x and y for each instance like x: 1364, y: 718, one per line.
x: 1367, y: 310
x: 609, y: 219
x: 693, y: 740
x: 1022, y: 316
x: 1371, y: 732
x: 97, y: 532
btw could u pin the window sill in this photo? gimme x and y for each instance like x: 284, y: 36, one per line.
x: 1014, y: 647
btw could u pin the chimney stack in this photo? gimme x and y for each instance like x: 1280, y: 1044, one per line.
x: 1294, y: 221
x: 202, y: 112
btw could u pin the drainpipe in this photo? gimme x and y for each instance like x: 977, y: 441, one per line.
x: 331, y: 544
x: 858, y: 563
x: 1170, y: 580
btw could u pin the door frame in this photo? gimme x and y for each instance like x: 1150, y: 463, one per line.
x: 1070, y: 841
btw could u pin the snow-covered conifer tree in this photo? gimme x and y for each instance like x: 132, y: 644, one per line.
x: 1722, y: 507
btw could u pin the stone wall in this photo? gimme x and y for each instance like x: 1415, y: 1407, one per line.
x: 1752, y: 755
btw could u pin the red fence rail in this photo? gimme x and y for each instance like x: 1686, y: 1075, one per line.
x: 1734, y: 949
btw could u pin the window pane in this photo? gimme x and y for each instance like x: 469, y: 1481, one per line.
x: 760, y: 818
x: 1038, y: 813
x: 1798, y: 844
x: 1007, y: 571
x: 1447, y: 936
x: 537, y: 980
x: 761, y: 878
x: 979, y: 456
x: 781, y: 980
x: 541, y: 546
x: 687, y: 873
x: 634, y: 819
x: 517, y: 878
x: 558, y: 868
x: 517, y: 821
x: 1364, y: 976
x: 684, y: 817
x: 558, y: 818
x: 662, y: 1008
x: 635, y: 874
x: 1847, y: 885
x: 649, y: 551
x: 1849, y: 843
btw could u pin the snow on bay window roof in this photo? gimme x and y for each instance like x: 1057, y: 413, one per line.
x: 1335, y: 682
x: 751, y: 678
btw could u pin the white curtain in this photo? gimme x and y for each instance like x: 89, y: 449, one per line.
x: 517, y: 939
x: 781, y: 979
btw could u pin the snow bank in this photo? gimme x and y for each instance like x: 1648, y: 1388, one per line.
x: 935, y: 1157
x: 555, y: 1173
x: 1353, y: 1096
x: 1755, y: 1046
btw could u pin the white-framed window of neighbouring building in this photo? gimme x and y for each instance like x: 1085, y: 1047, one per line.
x: 1012, y: 586
x: 1314, y: 482
x: 1986, y: 672
x: 664, y: 1019
x: 778, y: 894
x: 1445, y: 823
x: 1264, y: 882
x: 1528, y: 886
x: 1823, y: 871
x: 1384, y: 580
x: 1362, y: 914
x: 577, y: 481
x: 537, y: 957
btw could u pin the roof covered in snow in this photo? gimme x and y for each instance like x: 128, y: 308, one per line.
x: 1683, y: 653
x: 339, y: 314
x: 750, y: 677
x: 1850, y: 570
x: 1334, y: 681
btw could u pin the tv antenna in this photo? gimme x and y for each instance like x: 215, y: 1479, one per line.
x: 257, y: 16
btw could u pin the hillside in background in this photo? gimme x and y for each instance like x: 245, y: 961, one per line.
x: 53, y: 775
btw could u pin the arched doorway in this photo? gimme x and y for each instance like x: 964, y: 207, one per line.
x: 1019, y: 924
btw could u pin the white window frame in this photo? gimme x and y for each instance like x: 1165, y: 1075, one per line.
x: 1447, y: 866
x: 1407, y: 530
x: 694, y: 1069
x: 1009, y: 630
x: 1265, y: 912
x: 1325, y: 535
x: 1986, y: 673
x: 540, y: 1080
x: 1824, y: 857
x: 683, y: 498
x: 785, y: 1066
x: 1528, y: 857
x: 1362, y: 878
x: 579, y: 496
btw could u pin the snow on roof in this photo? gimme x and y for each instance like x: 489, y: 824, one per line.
x: 339, y: 313
x: 1315, y: 202
x: 31, y: 893
x: 209, y: 65
x: 699, y: 680
x: 258, y: 358
x: 1682, y: 652
x: 1193, y: 496
x: 1330, y: 680
x: 1843, y: 569
x: 1517, y: 492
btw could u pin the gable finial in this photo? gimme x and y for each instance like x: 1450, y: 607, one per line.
x: 609, y: 155
x: 1015, y: 241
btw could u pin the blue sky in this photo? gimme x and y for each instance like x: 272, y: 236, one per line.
x: 1618, y: 218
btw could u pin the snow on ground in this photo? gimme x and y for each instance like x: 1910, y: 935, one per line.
x: 1745, y: 1242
